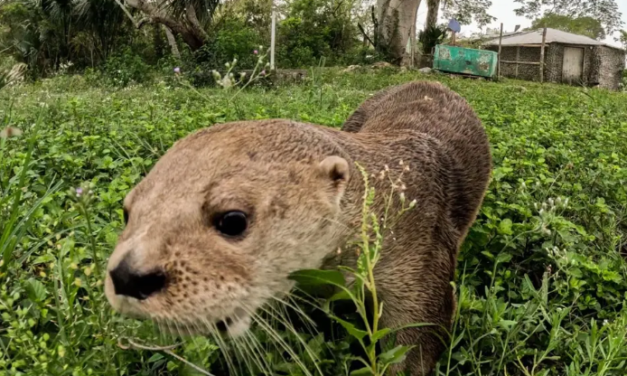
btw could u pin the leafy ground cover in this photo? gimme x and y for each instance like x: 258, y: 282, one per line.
x: 541, y: 279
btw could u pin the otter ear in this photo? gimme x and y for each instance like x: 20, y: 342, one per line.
x: 335, y: 169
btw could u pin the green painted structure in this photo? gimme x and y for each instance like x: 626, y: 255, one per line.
x: 462, y: 60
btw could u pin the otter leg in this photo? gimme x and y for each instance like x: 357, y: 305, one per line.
x: 431, y: 302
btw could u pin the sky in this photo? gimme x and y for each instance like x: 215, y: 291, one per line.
x: 503, y: 10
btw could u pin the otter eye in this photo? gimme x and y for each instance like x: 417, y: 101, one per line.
x: 232, y: 223
x: 125, y: 213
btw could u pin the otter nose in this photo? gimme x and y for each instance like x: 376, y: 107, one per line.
x: 139, y: 286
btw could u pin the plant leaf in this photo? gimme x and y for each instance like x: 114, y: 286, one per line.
x: 503, y: 258
x: 36, y: 290
x: 341, y: 295
x: 380, y: 334
x: 505, y: 227
x: 362, y: 372
x: 155, y: 357
x: 318, y: 277
x: 396, y: 355
x: 352, y: 330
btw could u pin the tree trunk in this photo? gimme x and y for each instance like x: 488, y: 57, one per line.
x: 432, y: 13
x: 394, y: 25
x: 172, y: 42
x: 193, y: 35
x: 193, y: 20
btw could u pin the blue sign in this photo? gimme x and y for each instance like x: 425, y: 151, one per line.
x: 454, y: 25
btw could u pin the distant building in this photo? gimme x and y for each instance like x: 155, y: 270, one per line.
x: 569, y: 58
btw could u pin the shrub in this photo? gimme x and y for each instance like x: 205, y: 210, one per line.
x: 232, y: 39
x: 430, y: 37
x: 122, y: 69
x: 315, y: 29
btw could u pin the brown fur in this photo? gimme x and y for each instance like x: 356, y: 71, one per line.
x: 300, y: 186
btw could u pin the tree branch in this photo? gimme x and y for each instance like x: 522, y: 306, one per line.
x: 142, y: 22
x: 128, y: 14
x: 194, y: 37
x: 172, y: 42
x: 193, y: 19
x: 363, y: 31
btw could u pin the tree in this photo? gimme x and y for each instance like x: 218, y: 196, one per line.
x: 466, y: 11
x: 315, y: 29
x: 187, y: 18
x: 623, y: 37
x: 588, y: 26
x: 394, y: 22
x: 101, y: 20
x: 395, y: 19
x: 46, y: 34
x: 433, y: 6
x: 605, y: 11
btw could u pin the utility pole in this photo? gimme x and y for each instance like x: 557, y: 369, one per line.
x: 542, y: 55
x: 273, y: 39
x: 498, y: 75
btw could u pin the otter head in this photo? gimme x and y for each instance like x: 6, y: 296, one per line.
x: 221, y: 220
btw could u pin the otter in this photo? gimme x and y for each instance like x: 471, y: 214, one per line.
x: 229, y: 212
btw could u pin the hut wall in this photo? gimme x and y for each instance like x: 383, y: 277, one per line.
x: 607, y: 67
x: 527, y: 72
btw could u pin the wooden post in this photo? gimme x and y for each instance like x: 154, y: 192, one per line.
x: 498, y: 74
x: 542, y: 55
x: 412, y: 48
x: 272, y: 39
x: 517, y: 59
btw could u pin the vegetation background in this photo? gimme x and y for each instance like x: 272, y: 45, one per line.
x: 93, y: 92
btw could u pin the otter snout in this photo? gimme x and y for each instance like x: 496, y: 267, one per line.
x: 132, y: 283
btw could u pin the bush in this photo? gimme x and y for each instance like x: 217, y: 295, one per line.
x: 315, y: 29
x: 122, y: 69
x: 431, y: 37
x: 233, y: 39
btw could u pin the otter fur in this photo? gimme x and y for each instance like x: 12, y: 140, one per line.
x: 222, y: 219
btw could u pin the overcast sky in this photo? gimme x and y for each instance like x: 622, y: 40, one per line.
x: 503, y: 10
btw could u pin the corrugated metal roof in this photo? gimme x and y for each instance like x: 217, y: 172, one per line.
x: 552, y: 36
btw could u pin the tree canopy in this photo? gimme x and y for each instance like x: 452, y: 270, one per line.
x: 623, y: 37
x: 467, y: 11
x: 587, y: 26
x: 605, y: 11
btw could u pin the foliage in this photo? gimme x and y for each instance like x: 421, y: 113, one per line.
x: 229, y: 81
x: 187, y: 19
x: 47, y: 34
x: 606, y: 11
x: 58, y: 36
x: 125, y: 68
x: 465, y: 11
x: 430, y: 37
x: 233, y: 38
x: 315, y: 29
x: 541, y: 280
x: 13, y: 75
x: 588, y: 26
x: 204, y: 9
x: 623, y: 38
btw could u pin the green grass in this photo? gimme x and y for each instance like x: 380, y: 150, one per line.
x: 541, y: 281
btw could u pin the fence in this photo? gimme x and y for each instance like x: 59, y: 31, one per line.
x: 518, y: 62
